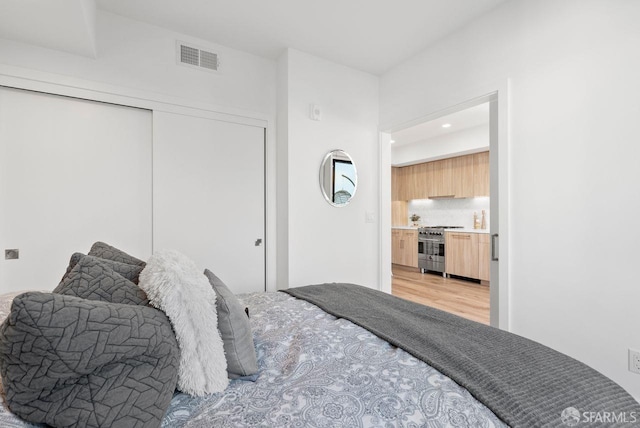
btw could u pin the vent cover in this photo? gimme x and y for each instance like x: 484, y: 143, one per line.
x: 194, y: 57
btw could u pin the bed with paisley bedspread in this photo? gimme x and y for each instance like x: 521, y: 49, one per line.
x: 317, y: 370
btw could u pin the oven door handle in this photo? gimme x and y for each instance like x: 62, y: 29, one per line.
x: 430, y: 240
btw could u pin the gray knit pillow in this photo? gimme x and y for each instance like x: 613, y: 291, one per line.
x: 73, y: 362
x: 92, y: 278
x: 131, y: 272
x: 106, y: 251
x: 235, y: 331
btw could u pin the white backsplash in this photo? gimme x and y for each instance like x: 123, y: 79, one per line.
x: 449, y: 212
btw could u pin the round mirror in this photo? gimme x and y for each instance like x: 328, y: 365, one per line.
x: 338, y: 178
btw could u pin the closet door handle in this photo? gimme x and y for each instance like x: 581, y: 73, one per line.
x: 494, y: 253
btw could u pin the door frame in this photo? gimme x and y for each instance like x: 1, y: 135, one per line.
x: 56, y: 84
x: 497, y: 96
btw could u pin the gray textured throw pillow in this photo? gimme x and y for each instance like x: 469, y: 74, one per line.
x: 91, y: 278
x: 106, y: 251
x: 72, y: 362
x: 235, y: 331
x: 131, y: 272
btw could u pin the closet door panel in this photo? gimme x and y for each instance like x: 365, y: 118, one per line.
x: 209, y: 196
x: 71, y: 172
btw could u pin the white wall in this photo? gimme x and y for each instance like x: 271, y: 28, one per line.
x: 142, y: 57
x: 464, y: 142
x: 572, y: 73
x: 327, y: 244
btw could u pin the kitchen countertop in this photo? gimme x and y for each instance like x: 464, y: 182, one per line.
x: 465, y: 230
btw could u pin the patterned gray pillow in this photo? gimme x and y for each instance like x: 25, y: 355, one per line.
x: 91, y: 278
x: 131, y: 272
x: 235, y: 331
x: 106, y: 251
x: 72, y: 362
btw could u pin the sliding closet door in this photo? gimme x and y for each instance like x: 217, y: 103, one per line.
x: 208, y: 196
x: 71, y: 172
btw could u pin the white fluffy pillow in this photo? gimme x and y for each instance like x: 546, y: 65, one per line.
x: 175, y: 285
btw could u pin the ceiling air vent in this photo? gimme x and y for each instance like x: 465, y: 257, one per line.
x: 195, y: 57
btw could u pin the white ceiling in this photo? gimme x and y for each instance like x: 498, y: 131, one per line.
x: 465, y: 119
x: 66, y: 25
x: 369, y: 35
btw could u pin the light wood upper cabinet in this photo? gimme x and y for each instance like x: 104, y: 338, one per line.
x: 461, y: 256
x: 399, y: 213
x: 399, y: 179
x: 424, y: 182
x: 442, y: 178
x: 484, y: 258
x: 459, y: 177
x: 395, y: 184
x: 481, y: 174
x: 463, y: 176
x: 403, y: 185
x: 411, y: 182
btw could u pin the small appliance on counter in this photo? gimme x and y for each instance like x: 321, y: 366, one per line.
x: 431, y: 248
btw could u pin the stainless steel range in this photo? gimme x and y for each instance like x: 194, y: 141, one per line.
x: 431, y: 248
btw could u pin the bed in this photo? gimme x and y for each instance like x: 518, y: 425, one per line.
x: 318, y: 370
x: 336, y: 355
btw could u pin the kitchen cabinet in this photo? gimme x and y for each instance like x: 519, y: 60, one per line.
x: 462, y: 176
x: 403, y: 184
x: 396, y: 253
x: 399, y: 213
x: 484, y: 257
x: 410, y: 182
x: 468, y: 255
x: 461, y: 257
x: 458, y: 177
x: 481, y: 174
x: 404, y: 247
x: 395, y: 184
x: 442, y: 178
x: 424, y: 180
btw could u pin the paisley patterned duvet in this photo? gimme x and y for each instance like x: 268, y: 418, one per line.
x: 319, y: 371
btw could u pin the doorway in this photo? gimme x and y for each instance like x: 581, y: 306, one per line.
x: 493, y: 128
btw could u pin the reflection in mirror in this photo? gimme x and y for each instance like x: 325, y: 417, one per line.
x: 338, y: 178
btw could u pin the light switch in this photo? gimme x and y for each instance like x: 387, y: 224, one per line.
x: 12, y: 254
x: 315, y: 112
x: 370, y: 217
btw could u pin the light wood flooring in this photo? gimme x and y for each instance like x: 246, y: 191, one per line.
x: 464, y: 298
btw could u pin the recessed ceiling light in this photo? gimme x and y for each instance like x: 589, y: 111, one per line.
x: 446, y: 125
x: 393, y: 141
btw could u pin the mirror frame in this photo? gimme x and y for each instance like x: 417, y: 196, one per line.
x: 322, y: 176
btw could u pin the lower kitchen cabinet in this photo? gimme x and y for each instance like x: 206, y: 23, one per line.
x: 404, y: 247
x: 467, y: 254
x: 461, y: 256
x: 484, y: 257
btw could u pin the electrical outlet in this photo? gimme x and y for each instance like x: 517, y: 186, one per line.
x: 634, y: 361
